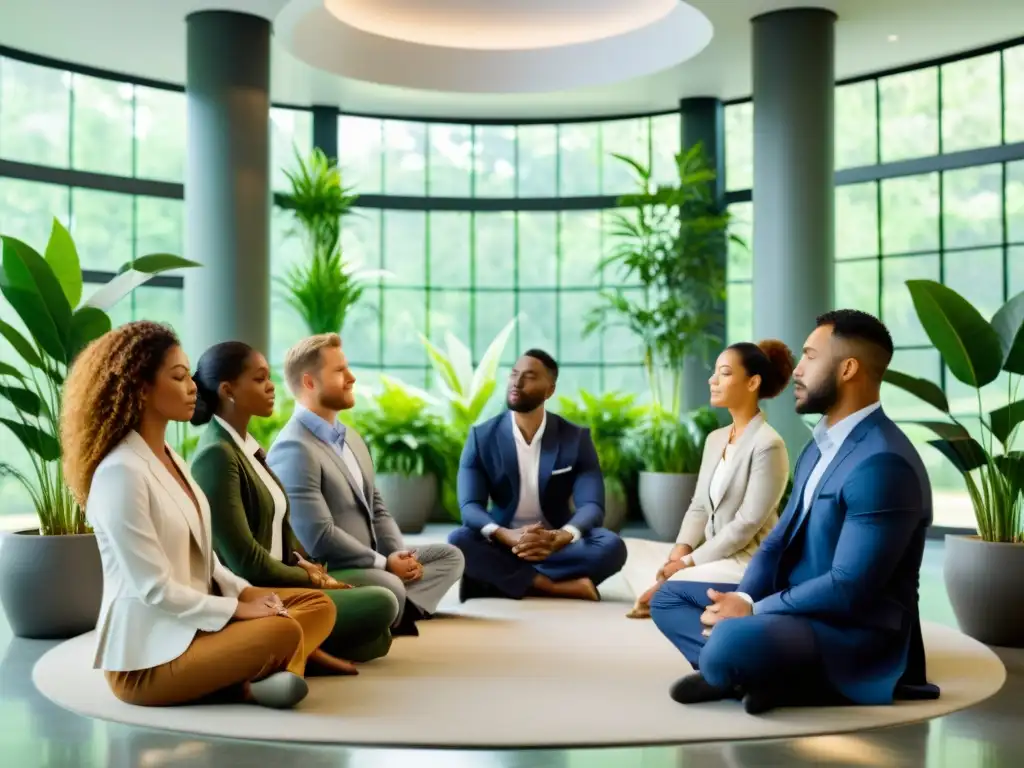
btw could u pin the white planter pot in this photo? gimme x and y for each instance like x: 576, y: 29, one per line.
x: 664, y: 499
x: 984, y: 580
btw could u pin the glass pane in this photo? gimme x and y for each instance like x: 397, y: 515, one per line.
x: 538, y: 153
x: 573, y: 314
x: 451, y: 160
x: 160, y: 226
x: 579, y: 154
x: 741, y: 262
x: 631, y: 138
x: 621, y: 345
x: 614, y: 274
x: 538, y: 249
x: 405, y: 247
x: 1015, y: 270
x: 450, y: 313
x: 739, y: 146
x: 495, y: 152
x: 495, y: 249
x: 101, y: 224
x: 666, y: 143
x: 856, y: 123
x: 856, y: 220
x: 538, y: 324
x: 34, y: 119
x: 581, y: 248
x: 360, y: 153
x: 406, y: 313
x: 1013, y: 96
x: 857, y: 285
x: 286, y: 250
x: 629, y: 379
x: 977, y: 276
x: 361, y: 333
x: 898, y: 311
x: 405, y: 158
x: 160, y: 305
x: 449, y: 249
x: 1015, y: 202
x: 971, y: 103
x: 910, y: 114
x: 910, y: 214
x: 492, y: 311
x: 291, y: 131
x: 922, y: 363
x: 739, y: 313
x: 360, y: 237
x: 159, y: 134
x: 102, y: 138
x: 27, y: 210
x: 972, y: 206
x: 573, y: 378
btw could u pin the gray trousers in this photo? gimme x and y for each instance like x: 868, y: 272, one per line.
x: 442, y: 568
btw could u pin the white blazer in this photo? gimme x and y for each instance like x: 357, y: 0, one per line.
x: 158, y: 560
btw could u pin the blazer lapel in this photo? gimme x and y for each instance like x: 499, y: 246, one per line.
x: 343, y: 468
x: 718, y: 440
x: 742, y: 449
x: 549, y: 447
x: 509, y: 457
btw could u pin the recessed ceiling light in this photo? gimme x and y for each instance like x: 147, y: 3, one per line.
x: 893, y: 38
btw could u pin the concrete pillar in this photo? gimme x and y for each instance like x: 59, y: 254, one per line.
x: 703, y: 121
x: 794, y: 187
x: 227, y: 180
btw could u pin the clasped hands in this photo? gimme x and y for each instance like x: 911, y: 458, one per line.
x: 405, y: 565
x: 534, y: 543
x: 318, y: 575
x: 724, y: 605
x: 257, y: 604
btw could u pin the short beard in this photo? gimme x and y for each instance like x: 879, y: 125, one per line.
x: 821, y: 399
x: 336, y: 403
x: 525, y: 404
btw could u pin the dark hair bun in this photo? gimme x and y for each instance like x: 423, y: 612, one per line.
x: 782, y: 365
x: 206, y: 403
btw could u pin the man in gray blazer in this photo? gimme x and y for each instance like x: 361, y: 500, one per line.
x: 336, y: 510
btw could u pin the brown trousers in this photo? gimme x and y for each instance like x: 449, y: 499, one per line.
x: 220, y: 664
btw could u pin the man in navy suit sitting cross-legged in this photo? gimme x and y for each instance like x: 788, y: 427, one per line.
x: 528, y: 463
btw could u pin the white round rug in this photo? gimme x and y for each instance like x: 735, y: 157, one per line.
x: 499, y: 673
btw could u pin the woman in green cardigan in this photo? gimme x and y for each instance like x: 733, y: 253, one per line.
x: 249, y: 508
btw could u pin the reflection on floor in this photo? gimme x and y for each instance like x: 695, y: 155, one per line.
x: 35, y: 733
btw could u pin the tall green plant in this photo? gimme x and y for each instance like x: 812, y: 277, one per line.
x: 318, y: 200
x: 976, y: 351
x: 46, y: 293
x: 672, y: 240
x: 610, y: 417
x: 664, y: 442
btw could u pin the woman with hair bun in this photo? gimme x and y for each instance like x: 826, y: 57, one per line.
x: 742, y: 478
x: 252, y: 533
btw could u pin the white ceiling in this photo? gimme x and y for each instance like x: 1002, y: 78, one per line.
x: 147, y: 38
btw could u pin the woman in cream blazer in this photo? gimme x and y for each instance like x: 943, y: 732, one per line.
x: 742, y: 477
x: 175, y: 625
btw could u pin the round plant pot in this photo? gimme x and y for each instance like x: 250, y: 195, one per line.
x: 51, y: 587
x: 664, y: 499
x: 616, y: 507
x: 409, y: 498
x: 984, y: 581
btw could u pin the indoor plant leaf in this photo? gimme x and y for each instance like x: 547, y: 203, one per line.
x: 968, y: 344
x: 45, y: 446
x: 29, y: 285
x: 87, y: 324
x: 1009, y: 325
x: 966, y: 455
x: 10, y: 370
x: 947, y: 430
x: 155, y: 263
x: 926, y: 390
x: 21, y: 345
x: 24, y: 400
x: 62, y: 256
x: 1002, y: 421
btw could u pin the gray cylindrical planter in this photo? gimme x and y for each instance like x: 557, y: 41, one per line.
x: 409, y: 498
x: 51, y: 587
x: 615, y: 507
x: 984, y: 581
x: 664, y: 499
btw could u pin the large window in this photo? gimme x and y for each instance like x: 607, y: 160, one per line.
x: 958, y: 220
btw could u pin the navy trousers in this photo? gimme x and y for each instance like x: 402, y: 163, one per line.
x: 767, y: 652
x: 598, y: 554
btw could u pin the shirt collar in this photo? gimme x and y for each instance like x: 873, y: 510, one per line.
x: 518, y: 434
x: 332, y: 434
x: 830, y: 438
x: 248, y: 444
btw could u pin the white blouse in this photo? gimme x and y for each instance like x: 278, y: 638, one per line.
x: 249, y: 448
x: 716, y: 489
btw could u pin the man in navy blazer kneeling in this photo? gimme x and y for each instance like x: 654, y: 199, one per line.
x: 528, y: 463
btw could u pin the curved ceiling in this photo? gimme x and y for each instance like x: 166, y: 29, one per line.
x: 491, y: 46
x: 146, y: 38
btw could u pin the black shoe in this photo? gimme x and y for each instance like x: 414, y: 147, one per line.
x: 694, y: 689
x: 470, y: 588
x: 759, y: 702
x: 407, y: 626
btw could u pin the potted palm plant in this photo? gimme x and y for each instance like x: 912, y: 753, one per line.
x: 669, y: 450
x: 610, y: 417
x: 983, y: 573
x: 51, y: 580
x: 324, y: 289
x: 411, y: 448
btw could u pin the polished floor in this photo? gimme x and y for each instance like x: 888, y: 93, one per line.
x: 35, y: 733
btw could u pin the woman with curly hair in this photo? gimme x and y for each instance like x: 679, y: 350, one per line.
x: 741, y: 481
x: 175, y: 625
x: 252, y: 532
